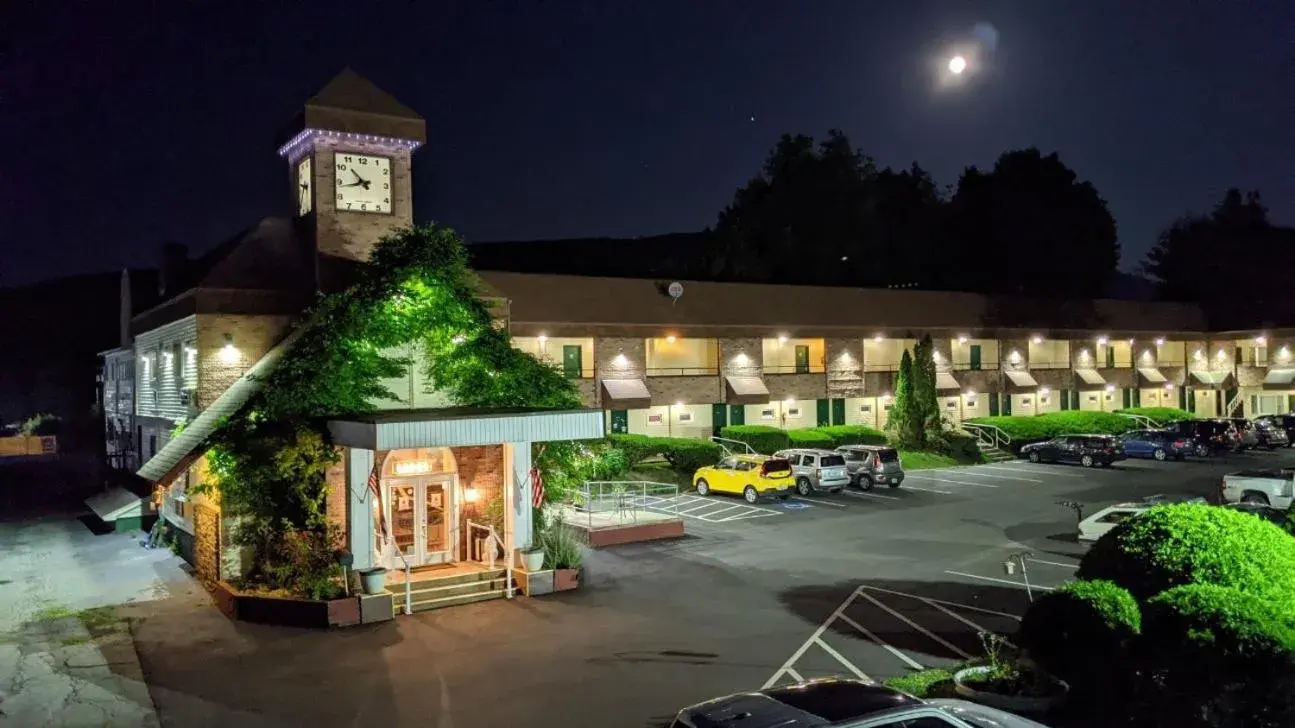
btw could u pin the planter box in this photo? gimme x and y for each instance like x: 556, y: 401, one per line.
x: 1020, y: 704
x: 287, y: 612
x: 566, y: 579
x: 377, y: 608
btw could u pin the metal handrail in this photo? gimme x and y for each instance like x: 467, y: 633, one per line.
x: 1142, y: 420
x: 390, y: 542
x: 637, y: 492
x: 988, y: 434
x: 727, y: 452
x: 508, y: 561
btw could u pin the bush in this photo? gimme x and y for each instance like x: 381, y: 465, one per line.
x: 686, y: 455
x: 1072, y: 422
x: 41, y: 425
x: 1163, y: 415
x: 809, y: 437
x: 924, y: 683
x: 852, y: 435
x: 960, y: 446
x: 635, y: 448
x: 1187, y: 543
x: 1216, y: 656
x: 761, y: 438
x: 1079, y: 631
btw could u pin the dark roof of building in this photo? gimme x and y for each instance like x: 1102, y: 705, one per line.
x: 349, y: 91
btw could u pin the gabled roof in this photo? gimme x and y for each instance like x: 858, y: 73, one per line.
x: 183, y: 449
x: 349, y: 91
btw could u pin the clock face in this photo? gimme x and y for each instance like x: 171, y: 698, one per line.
x: 362, y: 183
x: 305, y: 185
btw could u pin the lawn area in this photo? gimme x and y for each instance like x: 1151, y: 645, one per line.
x: 921, y: 460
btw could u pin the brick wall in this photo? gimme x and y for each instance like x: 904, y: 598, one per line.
x: 253, y: 336
x: 206, y: 544
x: 608, y: 363
x: 689, y: 390
x: 353, y: 234
x: 796, y: 386
x: 844, y: 367
x: 481, y: 468
x: 337, y: 502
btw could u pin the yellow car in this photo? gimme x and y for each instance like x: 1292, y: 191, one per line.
x: 753, y: 476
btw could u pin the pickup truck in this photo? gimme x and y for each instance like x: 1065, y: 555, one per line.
x: 1264, y: 487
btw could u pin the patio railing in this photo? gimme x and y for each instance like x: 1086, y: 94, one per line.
x: 619, y: 501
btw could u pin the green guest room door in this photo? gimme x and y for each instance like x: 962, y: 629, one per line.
x: 718, y: 418
x: 736, y: 414
x: 824, y: 413
x: 620, y: 422
x: 802, y: 359
x: 572, y: 360
x: 838, y: 411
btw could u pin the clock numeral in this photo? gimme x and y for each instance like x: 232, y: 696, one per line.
x: 363, y: 206
x: 387, y: 200
x: 339, y: 196
x: 386, y: 170
x: 348, y: 205
x: 363, y: 160
x: 341, y: 168
x: 386, y: 186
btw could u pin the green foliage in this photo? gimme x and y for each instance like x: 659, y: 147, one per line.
x: 300, y: 561
x: 1204, y: 624
x: 561, y: 549
x: 1162, y: 415
x: 1080, y: 630
x: 960, y: 446
x: 41, y: 425
x: 684, y: 454
x: 762, y: 438
x: 925, y: 403
x: 810, y: 438
x: 853, y: 435
x: 636, y: 448
x: 923, y: 683
x: 1188, y: 543
x: 568, y: 465
x: 904, y: 423
x: 1070, y: 422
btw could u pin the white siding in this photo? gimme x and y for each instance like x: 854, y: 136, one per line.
x: 166, y: 374
x: 467, y: 431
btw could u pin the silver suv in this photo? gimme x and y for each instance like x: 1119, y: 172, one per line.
x: 869, y: 465
x: 816, y: 469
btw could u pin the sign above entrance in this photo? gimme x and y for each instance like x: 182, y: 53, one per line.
x: 411, y: 467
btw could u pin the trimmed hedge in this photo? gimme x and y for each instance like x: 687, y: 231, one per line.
x: 684, y: 454
x: 1207, y: 623
x: 810, y: 437
x: 761, y: 438
x: 1078, y: 631
x: 853, y: 435
x: 1163, y: 415
x: 1072, y: 422
x: 1189, y: 543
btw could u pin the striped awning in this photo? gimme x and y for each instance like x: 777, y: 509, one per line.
x: 1151, y: 374
x: 1090, y: 376
x: 945, y: 381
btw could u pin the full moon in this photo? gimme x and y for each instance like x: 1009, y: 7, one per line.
x: 957, y: 64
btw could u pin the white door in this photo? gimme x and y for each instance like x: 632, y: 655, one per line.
x: 422, y: 519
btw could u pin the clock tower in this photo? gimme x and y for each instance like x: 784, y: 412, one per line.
x: 348, y: 155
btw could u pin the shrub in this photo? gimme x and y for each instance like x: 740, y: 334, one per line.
x: 635, y: 448
x: 761, y: 438
x: 1186, y: 543
x: 960, y: 446
x: 1079, y: 631
x: 41, y: 425
x: 810, y: 438
x: 1059, y: 423
x: 1216, y: 656
x: 686, y: 455
x: 923, y: 683
x: 853, y: 435
x: 1163, y: 415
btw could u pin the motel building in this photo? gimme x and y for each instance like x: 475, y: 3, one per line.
x: 646, y: 356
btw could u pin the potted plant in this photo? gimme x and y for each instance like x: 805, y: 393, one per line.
x: 374, y: 581
x: 562, y: 554
x: 1007, y: 681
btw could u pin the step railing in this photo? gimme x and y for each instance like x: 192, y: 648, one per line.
x: 1143, y: 421
x: 746, y: 447
x: 1232, y: 407
x: 988, y: 435
x: 492, y: 538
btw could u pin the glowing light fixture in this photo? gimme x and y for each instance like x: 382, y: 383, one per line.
x: 1044, y: 390
x: 1261, y: 340
x: 543, y: 338
x: 1110, y: 388
x: 471, y: 495
x: 878, y: 337
x: 620, y: 360
x: 962, y: 338
x: 229, y: 353
x: 1101, y: 340
x: 670, y: 339
x: 1036, y: 339
x: 1160, y: 341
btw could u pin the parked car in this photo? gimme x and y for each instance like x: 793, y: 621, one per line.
x: 816, y: 469
x: 1158, y: 444
x: 1276, y: 516
x: 868, y: 465
x: 1101, y: 522
x: 1247, y: 436
x: 1087, y: 450
x: 1270, y: 435
x: 1208, y: 437
x: 838, y: 702
x: 1262, y: 487
x: 751, y: 476
x: 1285, y: 423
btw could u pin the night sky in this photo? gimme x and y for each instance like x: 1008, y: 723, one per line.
x: 128, y: 123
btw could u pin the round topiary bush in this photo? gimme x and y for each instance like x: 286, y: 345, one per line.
x: 1172, y: 545
x: 1079, y: 631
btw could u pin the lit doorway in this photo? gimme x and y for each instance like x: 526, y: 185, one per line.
x: 422, y: 514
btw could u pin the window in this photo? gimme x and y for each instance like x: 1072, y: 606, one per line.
x: 745, y: 465
x: 887, y: 456
x: 793, y: 459
x: 766, y: 414
x: 808, y: 461
x: 951, y: 404
x: 867, y: 408
x: 793, y: 412
x: 727, y: 464
x: 831, y: 461
x: 854, y: 456
x: 655, y: 419
x: 1117, y: 516
x: 685, y: 417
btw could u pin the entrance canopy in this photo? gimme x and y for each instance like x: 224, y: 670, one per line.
x: 745, y: 390
x: 1211, y: 377
x: 463, y: 427
x: 1151, y: 374
x: 1090, y: 376
x: 1279, y: 376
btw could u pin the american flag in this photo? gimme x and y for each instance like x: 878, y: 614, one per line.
x: 375, y: 485
x: 537, y: 488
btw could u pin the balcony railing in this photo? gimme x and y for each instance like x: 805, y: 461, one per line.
x: 881, y: 366
x: 682, y: 371
x: 583, y: 373
x: 1049, y: 364
x: 965, y: 365
x: 796, y: 369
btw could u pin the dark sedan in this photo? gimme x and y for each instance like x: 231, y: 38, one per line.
x: 1156, y: 444
x: 1086, y: 450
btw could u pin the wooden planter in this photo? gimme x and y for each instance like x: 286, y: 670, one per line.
x: 566, y: 579
x: 284, y: 611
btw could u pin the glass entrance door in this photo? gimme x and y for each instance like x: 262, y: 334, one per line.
x: 421, y: 515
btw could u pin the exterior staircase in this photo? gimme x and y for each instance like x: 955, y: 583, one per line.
x: 992, y: 454
x: 435, y: 592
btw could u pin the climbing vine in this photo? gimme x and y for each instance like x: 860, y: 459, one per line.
x: 417, y: 295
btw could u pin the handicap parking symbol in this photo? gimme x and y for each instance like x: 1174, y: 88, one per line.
x: 794, y: 506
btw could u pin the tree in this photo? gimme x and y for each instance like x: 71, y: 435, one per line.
x: 1198, y: 256
x: 1029, y: 226
x: 924, y: 391
x: 905, y: 418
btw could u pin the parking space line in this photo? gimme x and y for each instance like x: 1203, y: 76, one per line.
x: 820, y: 501
x: 1000, y: 581
x: 818, y: 633
x: 865, y: 494
x: 794, y: 675
x: 1029, y: 467
x: 976, y: 472
x: 888, y: 647
x: 957, y: 616
x: 693, y: 509
x: 1053, y: 563
x: 841, y: 659
x: 760, y: 514
x: 957, y: 482
x: 916, y: 626
x: 927, y: 490
x: 946, y: 603
x: 723, y: 510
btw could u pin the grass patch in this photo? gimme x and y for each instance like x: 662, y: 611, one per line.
x: 75, y: 640
x: 51, y: 613
x: 922, y: 460
x: 924, y: 683
x: 98, y: 618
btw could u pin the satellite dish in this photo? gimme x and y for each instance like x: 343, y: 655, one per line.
x: 675, y: 290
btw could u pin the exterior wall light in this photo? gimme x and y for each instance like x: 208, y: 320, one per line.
x: 1130, y: 342
x: 1014, y: 357
x: 789, y: 400
x: 1261, y: 340
x: 542, y: 338
x: 1220, y: 355
x: 1284, y: 352
x: 1036, y: 339
x: 741, y: 358
x: 1110, y: 388
x: 878, y: 337
x: 1169, y: 385
x: 229, y: 353
x: 1160, y: 341
x: 971, y: 392
x: 471, y: 495
x: 962, y: 338
x: 670, y: 339
x: 1044, y: 391
x: 620, y: 360
x: 679, y: 403
x: 782, y: 338
x: 1101, y: 340
x: 886, y: 395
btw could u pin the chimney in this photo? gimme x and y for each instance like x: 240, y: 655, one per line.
x: 127, y: 308
x: 171, y: 275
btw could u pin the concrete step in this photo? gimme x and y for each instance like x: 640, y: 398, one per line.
x: 420, y: 593
x: 439, y: 600
x: 431, y: 580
